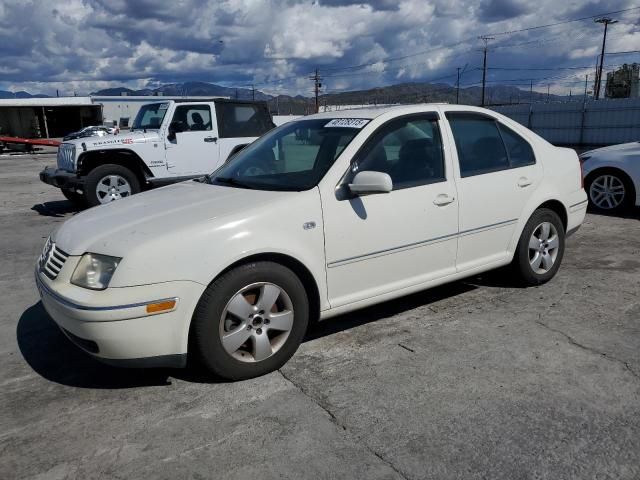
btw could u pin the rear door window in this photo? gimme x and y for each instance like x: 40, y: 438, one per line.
x: 242, y: 119
x: 479, y: 144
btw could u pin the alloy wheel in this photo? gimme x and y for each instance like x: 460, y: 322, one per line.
x: 256, y: 322
x: 544, y: 246
x: 607, y: 192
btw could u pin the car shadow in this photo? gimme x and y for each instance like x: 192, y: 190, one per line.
x: 51, y: 355
x: 377, y: 312
x: 56, y: 208
x: 54, y: 357
x: 630, y: 213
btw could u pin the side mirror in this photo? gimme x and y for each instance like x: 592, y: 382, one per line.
x: 174, y: 127
x: 369, y: 182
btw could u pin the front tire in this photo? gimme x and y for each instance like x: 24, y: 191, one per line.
x: 108, y: 183
x: 540, y: 248
x: 250, y: 321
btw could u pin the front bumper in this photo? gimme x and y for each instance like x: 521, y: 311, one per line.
x: 113, y: 325
x: 61, y: 178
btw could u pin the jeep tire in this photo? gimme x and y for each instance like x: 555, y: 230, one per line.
x: 109, y: 182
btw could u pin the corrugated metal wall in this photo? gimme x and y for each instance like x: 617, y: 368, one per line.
x: 602, y: 122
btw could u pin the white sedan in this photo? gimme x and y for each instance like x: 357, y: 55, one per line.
x: 612, y: 176
x: 322, y: 215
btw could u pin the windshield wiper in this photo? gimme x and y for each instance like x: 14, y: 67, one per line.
x: 232, y: 181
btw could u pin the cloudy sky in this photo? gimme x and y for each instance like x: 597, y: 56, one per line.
x: 84, y: 45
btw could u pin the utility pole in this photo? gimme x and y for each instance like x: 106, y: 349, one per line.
x: 253, y: 92
x: 586, y: 81
x: 606, y: 21
x: 485, y: 39
x: 316, y: 87
x: 458, y: 88
x: 548, y: 91
x: 531, y: 92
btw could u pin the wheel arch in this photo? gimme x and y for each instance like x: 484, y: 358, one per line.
x: 295, y: 265
x: 558, y: 207
x: 122, y: 156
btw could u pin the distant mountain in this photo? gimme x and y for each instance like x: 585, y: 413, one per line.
x: 196, y: 89
x: 404, y: 93
x: 20, y: 94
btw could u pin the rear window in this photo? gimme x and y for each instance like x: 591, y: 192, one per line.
x: 242, y: 119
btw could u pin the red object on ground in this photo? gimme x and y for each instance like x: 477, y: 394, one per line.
x: 31, y: 141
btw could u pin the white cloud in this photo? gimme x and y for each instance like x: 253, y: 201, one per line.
x: 83, y: 45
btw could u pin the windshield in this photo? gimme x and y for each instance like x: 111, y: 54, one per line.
x: 150, y: 116
x: 294, y: 156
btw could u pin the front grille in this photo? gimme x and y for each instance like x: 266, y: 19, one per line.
x: 52, y: 260
x: 66, y: 157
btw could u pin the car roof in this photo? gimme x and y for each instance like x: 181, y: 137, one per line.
x: 372, y: 112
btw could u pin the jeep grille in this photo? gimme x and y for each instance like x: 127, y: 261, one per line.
x: 66, y: 157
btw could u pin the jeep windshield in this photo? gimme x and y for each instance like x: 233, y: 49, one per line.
x: 150, y: 116
x: 292, y: 157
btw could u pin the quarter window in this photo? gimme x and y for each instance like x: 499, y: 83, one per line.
x: 408, y: 149
x: 519, y: 151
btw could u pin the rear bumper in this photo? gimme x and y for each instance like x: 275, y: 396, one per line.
x: 122, y: 333
x: 61, y: 178
x: 576, y: 211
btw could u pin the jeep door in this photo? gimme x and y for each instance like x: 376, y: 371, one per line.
x: 193, y: 150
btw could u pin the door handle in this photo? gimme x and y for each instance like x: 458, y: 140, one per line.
x: 524, y: 182
x: 443, y: 199
x: 211, y: 139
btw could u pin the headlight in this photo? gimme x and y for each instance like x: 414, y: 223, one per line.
x: 94, y: 271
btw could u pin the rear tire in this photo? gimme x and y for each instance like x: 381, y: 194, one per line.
x: 540, y: 249
x: 250, y: 321
x: 108, y: 183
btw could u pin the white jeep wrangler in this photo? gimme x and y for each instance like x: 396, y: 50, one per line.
x: 169, y: 141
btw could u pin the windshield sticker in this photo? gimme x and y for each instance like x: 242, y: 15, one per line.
x: 163, y: 106
x: 347, y: 123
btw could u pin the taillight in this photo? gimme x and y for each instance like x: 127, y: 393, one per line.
x: 581, y: 175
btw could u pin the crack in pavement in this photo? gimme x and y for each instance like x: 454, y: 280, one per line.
x: 339, y: 424
x: 574, y: 342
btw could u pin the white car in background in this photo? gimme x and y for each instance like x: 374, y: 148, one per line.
x: 323, y: 215
x: 612, y: 176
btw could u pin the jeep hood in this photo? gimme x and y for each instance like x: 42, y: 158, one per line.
x: 115, y: 141
x: 165, y: 216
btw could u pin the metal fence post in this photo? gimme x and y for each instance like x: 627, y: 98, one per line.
x: 584, y: 109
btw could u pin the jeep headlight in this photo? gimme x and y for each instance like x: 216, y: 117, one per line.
x: 94, y: 271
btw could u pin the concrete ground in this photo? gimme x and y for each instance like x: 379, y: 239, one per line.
x: 473, y: 380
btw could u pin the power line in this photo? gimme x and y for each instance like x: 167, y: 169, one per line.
x: 564, y: 22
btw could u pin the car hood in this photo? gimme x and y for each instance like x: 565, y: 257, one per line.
x: 178, y: 210
x: 621, y: 149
